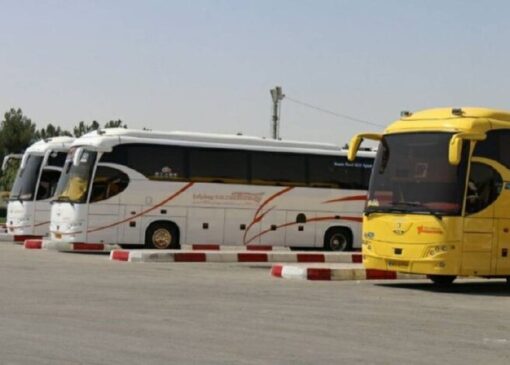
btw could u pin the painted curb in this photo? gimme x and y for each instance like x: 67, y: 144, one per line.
x: 215, y: 247
x: 78, y: 247
x: 231, y: 256
x: 33, y: 244
x: 357, y: 272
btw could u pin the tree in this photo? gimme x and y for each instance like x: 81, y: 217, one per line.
x: 51, y: 131
x: 8, y: 175
x: 17, y: 132
x: 115, y: 124
x: 83, y: 128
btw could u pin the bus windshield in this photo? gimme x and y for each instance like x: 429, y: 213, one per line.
x: 26, y: 179
x: 74, y: 182
x: 412, y: 175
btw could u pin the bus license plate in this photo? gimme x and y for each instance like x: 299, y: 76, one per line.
x: 394, y: 263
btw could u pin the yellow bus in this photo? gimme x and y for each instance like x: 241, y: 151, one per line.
x: 439, y: 195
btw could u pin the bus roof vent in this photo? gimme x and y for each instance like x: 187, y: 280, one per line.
x: 405, y: 114
x: 458, y: 111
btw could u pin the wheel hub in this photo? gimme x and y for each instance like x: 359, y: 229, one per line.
x: 161, y: 238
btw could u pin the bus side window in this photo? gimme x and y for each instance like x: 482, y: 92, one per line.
x: 484, y: 186
x: 108, y: 182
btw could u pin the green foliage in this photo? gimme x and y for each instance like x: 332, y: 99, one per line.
x: 51, y: 131
x: 9, y: 174
x: 83, y: 128
x: 115, y: 124
x: 17, y: 132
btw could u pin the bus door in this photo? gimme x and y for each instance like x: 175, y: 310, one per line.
x: 45, y: 190
x: 484, y: 186
x: 130, y: 227
x: 104, y: 212
x: 502, y: 251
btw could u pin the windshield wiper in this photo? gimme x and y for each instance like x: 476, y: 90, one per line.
x: 375, y: 209
x: 423, y: 208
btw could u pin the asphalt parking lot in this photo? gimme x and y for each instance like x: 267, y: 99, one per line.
x: 69, y: 308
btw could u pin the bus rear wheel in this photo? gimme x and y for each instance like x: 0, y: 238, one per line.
x: 442, y: 279
x: 162, y: 236
x: 338, y: 239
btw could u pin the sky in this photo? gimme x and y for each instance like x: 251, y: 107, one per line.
x: 208, y: 66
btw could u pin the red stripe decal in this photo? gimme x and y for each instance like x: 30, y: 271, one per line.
x: 317, y: 219
x: 120, y: 255
x: 346, y: 199
x: 252, y: 257
x: 205, y: 247
x: 88, y: 246
x: 276, y: 270
x: 27, y: 225
x: 257, y: 218
x: 318, y: 274
x: 163, y: 202
x: 189, y: 257
x: 310, y: 257
x: 374, y: 274
x: 357, y: 258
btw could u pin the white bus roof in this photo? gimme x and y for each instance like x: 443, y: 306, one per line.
x: 105, y: 139
x: 54, y: 144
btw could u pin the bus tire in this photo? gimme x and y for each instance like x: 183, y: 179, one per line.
x: 162, y: 235
x: 442, y: 279
x: 338, y: 239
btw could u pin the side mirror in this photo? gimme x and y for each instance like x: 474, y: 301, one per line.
x: 24, y: 160
x: 77, y: 156
x: 455, y: 148
x: 356, y: 142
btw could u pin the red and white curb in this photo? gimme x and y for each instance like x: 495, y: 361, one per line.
x: 6, y: 237
x: 215, y: 247
x: 232, y: 256
x: 352, y: 272
x: 37, y: 244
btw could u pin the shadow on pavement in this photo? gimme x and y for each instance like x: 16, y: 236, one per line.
x: 496, y: 288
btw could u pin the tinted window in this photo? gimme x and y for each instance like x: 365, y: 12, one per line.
x: 218, y: 165
x: 156, y: 162
x: 338, y: 172
x: 108, y: 182
x: 484, y: 186
x: 57, y: 159
x: 496, y: 147
x: 26, y: 179
x: 278, y: 168
x: 47, y: 184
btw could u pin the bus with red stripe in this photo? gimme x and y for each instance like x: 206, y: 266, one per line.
x: 166, y: 189
x: 28, y: 209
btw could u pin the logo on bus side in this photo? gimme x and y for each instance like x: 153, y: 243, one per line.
x: 431, y: 230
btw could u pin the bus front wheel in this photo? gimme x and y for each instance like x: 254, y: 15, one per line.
x: 442, y: 279
x: 338, y: 239
x: 162, y: 236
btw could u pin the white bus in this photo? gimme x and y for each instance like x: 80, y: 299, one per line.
x: 28, y: 210
x: 165, y: 189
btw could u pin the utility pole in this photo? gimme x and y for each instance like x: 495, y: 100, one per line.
x: 277, y: 96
